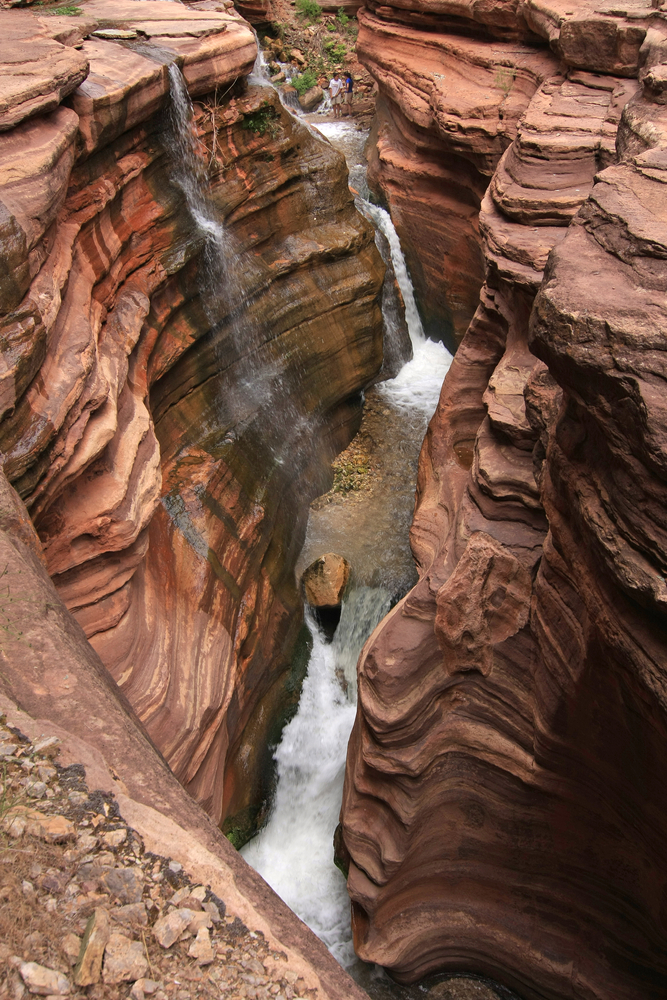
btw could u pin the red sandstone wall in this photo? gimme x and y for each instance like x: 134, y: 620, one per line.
x: 504, y: 805
x: 166, y: 454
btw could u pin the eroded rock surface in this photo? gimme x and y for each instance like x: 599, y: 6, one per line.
x: 504, y: 806
x: 454, y: 80
x: 108, y: 822
x: 173, y: 388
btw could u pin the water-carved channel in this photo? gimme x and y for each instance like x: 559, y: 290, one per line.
x: 294, y: 851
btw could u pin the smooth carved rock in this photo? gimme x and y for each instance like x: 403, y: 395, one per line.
x: 325, y: 580
x: 36, y: 72
x: 438, y: 142
x: 95, y: 939
x: 126, y: 436
x: 49, y: 668
x: 511, y: 726
x: 484, y: 602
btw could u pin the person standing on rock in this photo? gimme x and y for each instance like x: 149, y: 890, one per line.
x: 349, y: 88
x: 336, y: 91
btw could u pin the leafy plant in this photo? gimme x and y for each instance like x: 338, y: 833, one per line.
x: 343, y: 19
x: 264, y: 120
x: 308, y: 9
x: 304, y: 82
x: 336, y: 51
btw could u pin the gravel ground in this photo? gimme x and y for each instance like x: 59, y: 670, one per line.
x: 85, y: 911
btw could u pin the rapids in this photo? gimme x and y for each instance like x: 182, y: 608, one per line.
x: 294, y: 851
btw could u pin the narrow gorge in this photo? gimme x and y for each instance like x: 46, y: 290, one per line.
x: 205, y: 297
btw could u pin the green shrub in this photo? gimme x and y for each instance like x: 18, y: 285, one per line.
x: 343, y: 19
x: 304, y: 81
x: 265, y: 119
x: 309, y: 9
x: 336, y: 51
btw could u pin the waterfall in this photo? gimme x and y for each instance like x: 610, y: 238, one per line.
x: 294, y: 851
x: 189, y: 174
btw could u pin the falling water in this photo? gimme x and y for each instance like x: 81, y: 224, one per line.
x: 188, y: 173
x: 294, y: 851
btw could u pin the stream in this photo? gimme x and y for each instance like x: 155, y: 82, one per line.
x: 294, y: 851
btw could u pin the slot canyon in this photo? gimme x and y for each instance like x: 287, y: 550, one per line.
x: 245, y: 338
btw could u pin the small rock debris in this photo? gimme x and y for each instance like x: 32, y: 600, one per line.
x: 86, y: 911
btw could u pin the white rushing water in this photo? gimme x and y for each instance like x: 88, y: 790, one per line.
x: 188, y: 173
x: 294, y: 851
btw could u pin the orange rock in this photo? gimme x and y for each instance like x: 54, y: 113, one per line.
x: 325, y: 580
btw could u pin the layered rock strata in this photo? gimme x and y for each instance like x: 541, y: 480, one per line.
x: 454, y: 79
x: 190, y: 310
x: 53, y: 685
x: 504, y: 806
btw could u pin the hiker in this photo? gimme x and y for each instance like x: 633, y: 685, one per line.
x: 349, y: 87
x: 336, y: 91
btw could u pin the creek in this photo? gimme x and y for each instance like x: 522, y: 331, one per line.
x: 294, y: 851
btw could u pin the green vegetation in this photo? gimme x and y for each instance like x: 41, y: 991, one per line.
x: 265, y: 119
x: 336, y: 51
x: 304, y: 81
x: 68, y: 11
x: 310, y: 10
x: 343, y: 19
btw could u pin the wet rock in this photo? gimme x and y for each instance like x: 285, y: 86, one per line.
x: 311, y: 99
x: 43, y: 981
x: 95, y: 940
x: 124, y: 959
x: 325, y: 580
x: 461, y: 988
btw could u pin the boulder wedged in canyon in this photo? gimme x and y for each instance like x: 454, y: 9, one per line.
x: 190, y: 312
x: 504, y: 808
x: 53, y: 685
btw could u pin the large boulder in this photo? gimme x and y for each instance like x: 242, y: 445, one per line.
x: 311, y: 99
x: 325, y: 580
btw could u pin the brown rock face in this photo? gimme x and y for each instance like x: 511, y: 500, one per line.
x: 504, y: 807
x: 171, y: 389
x: 325, y: 580
x: 53, y: 685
